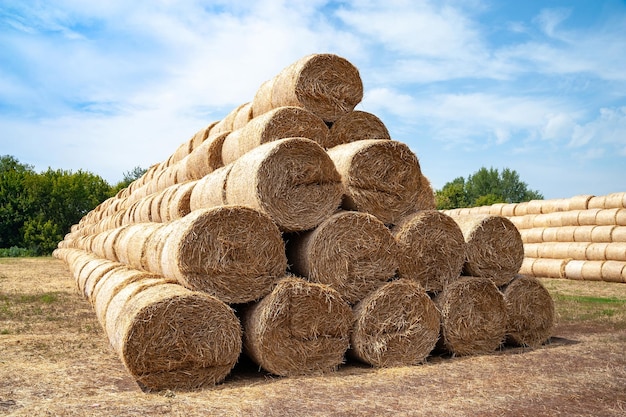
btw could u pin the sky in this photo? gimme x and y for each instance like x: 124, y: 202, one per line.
x: 538, y: 87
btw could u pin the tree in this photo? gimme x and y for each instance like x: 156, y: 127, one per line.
x: 13, y: 202
x: 485, y: 187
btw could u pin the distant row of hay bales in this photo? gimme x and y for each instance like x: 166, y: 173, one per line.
x: 582, y: 238
x: 309, y: 235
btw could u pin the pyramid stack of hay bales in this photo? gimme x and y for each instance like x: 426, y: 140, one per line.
x: 304, y: 215
x: 582, y: 238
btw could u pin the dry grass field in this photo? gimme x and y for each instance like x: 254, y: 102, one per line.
x: 55, y: 360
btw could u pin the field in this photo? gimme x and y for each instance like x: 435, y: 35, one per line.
x: 55, y: 360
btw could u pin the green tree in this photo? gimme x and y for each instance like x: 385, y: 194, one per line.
x: 14, y: 206
x: 485, y: 187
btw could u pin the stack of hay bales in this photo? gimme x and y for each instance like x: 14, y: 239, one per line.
x: 297, y: 231
x: 582, y: 238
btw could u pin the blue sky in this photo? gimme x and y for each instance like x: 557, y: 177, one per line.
x: 534, y: 86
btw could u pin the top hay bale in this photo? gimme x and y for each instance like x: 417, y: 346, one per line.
x: 325, y: 84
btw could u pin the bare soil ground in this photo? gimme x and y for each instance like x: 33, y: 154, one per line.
x: 55, y: 360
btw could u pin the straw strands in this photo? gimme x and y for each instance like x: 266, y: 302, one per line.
x: 380, y: 177
x: 299, y: 328
x: 431, y: 249
x: 351, y: 251
x: 396, y: 325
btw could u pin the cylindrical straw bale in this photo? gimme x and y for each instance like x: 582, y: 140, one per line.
x: 523, y: 222
x: 226, y: 124
x: 473, y: 316
x: 534, y: 235
x: 620, y: 217
x: 122, y: 243
x: 93, y: 276
x: 97, y: 244
x: 607, y: 217
x: 136, y: 243
x: 496, y: 209
x: 494, y: 247
x: 431, y: 249
x: 565, y: 234
x: 210, y: 191
x: 279, y: 123
x: 615, y: 200
x: 614, y: 271
x: 508, y: 210
x: 154, y: 248
x: 299, y: 328
x: 579, y: 202
x: 534, y: 207
x: 108, y: 287
x: 200, y: 136
x: 521, y: 209
x: 396, y: 325
x: 110, y: 243
x: 618, y: 234
x: 352, y: 252
x: 181, y: 152
x: 584, y: 270
x: 171, y: 338
x: 206, y: 158
x: 530, y: 312
x: 325, y: 84
x: 155, y: 206
x: 602, y: 233
x: 178, y: 204
x: 616, y: 251
x: 531, y: 250
x: 575, y: 250
x: 554, y: 205
x: 243, y: 116
x: 380, y: 177
x: 547, y: 220
x: 588, y: 217
x: 582, y: 233
x: 426, y: 199
x: 595, y: 251
x: 164, y: 207
x: 550, y: 268
x: 356, y: 125
x: 292, y: 180
x: 232, y: 252
x: 527, y: 266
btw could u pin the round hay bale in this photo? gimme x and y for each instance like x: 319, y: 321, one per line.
x: 521, y: 209
x: 601, y: 234
x: 523, y: 222
x: 164, y: 207
x: 171, y: 338
x: 136, y: 243
x: 496, y: 209
x: 356, y: 125
x: 396, y: 325
x: 530, y: 312
x: 431, y: 249
x: 607, y: 217
x: 426, y: 198
x: 93, y: 273
x: 618, y: 234
x: 549, y: 268
x: 616, y: 251
x: 584, y: 270
x: 587, y: 217
x: 527, y: 266
x: 154, y: 248
x: 494, y: 247
x: 155, y: 206
x: 122, y: 245
x: 200, y: 136
x: 352, y: 252
x: 534, y: 235
x: 210, y: 191
x: 614, y: 271
x: 325, y: 84
x: 179, y: 202
x: 534, y: 207
x: 554, y: 205
x: 299, y: 328
x: 532, y: 250
x: 292, y: 180
x: 110, y: 243
x: 508, y: 210
x: 579, y: 202
x: 594, y: 252
x: 620, y: 217
x: 380, y: 177
x: 226, y: 124
x: 473, y: 316
x: 111, y: 284
x: 232, y: 252
x: 206, y: 158
x: 279, y: 123
x: 243, y: 116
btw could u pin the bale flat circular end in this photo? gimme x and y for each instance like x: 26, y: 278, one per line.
x: 431, y: 249
x: 473, y: 316
x: 299, y: 328
x: 530, y: 311
x: 396, y: 325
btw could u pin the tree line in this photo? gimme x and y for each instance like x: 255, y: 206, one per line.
x: 38, y: 209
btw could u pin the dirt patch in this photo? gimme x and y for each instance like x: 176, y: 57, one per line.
x: 55, y: 360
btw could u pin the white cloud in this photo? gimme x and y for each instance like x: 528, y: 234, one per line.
x: 549, y: 19
x: 608, y: 128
